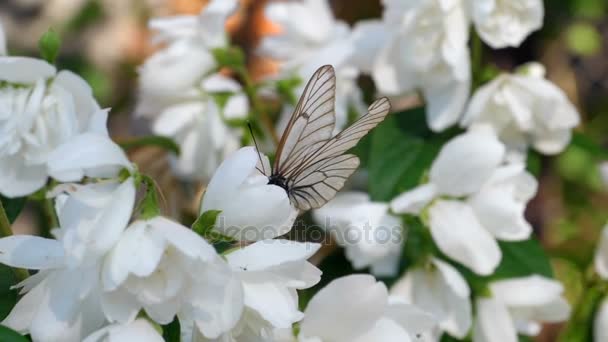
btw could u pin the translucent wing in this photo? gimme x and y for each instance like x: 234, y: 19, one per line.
x: 312, y: 121
x: 323, y: 168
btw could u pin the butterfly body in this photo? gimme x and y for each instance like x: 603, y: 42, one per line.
x: 278, y: 180
x: 310, y: 164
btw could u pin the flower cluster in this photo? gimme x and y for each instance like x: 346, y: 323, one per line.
x: 114, y: 268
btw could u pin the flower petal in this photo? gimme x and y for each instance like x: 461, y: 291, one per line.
x: 326, y: 317
x: 90, y: 154
x: 493, y: 322
x: 459, y: 235
x: 31, y: 252
x: 415, y: 200
x: 466, y: 162
x: 24, y: 69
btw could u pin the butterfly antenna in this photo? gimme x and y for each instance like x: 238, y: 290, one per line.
x: 256, y: 148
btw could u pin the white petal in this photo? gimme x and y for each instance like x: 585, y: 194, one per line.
x: 228, y: 177
x: 219, y: 83
x: 601, y: 255
x: 3, y: 49
x: 459, y: 235
x: 216, y: 301
x: 466, y: 162
x: 385, y: 330
x: 493, y: 322
x: 503, y: 25
x: 24, y: 69
x: 415, y: 200
x: 268, y: 253
x: 19, y: 179
x: 533, y: 298
x: 114, y: 218
x: 22, y: 314
x: 600, y: 324
x: 82, y: 94
x: 369, y: 37
x: 446, y: 101
x: 89, y: 154
x: 31, y: 252
x: 138, y: 330
x: 212, y: 21
x: 119, y: 306
x: 415, y: 321
x: 276, y: 304
x: 500, y: 204
x: 138, y: 252
x: 326, y: 318
x: 183, y: 238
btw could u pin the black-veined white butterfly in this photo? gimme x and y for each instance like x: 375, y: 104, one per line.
x: 310, y: 164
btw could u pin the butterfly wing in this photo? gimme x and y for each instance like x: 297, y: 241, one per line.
x: 312, y: 121
x: 324, y: 168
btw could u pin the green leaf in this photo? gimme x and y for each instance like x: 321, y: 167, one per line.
x: 151, y: 140
x: 286, y: 89
x: 521, y: 259
x: 9, y: 335
x: 13, y: 206
x: 172, y: 331
x: 8, y: 297
x: 204, y: 224
x: 534, y: 163
x: 398, y: 159
x: 149, y: 204
x: 230, y: 57
x: 49, y: 45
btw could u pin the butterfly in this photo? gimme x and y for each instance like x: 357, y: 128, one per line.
x: 310, y: 164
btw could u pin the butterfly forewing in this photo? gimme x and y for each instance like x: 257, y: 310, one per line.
x: 312, y: 122
x: 324, y: 168
x: 310, y: 164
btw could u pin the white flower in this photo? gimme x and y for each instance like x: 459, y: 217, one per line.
x: 604, y: 173
x: 62, y: 300
x: 175, y: 72
x: 506, y: 23
x: 2, y: 40
x: 138, y: 330
x: 601, y: 255
x: 519, y: 305
x: 600, y: 323
x: 525, y: 109
x: 310, y: 38
x: 251, y: 209
x: 370, y: 235
x: 441, y: 291
x: 167, y: 269
x: 271, y: 271
x: 199, y: 127
x: 177, y: 87
x: 425, y: 48
x: 357, y: 308
x: 491, y: 205
x: 39, y: 110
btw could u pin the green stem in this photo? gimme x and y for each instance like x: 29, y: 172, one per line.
x: 578, y: 328
x: 5, y: 230
x: 476, y: 59
x: 256, y: 105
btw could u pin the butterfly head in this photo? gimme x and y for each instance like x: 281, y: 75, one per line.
x: 277, y: 179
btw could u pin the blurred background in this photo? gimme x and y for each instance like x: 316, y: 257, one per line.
x: 105, y: 40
